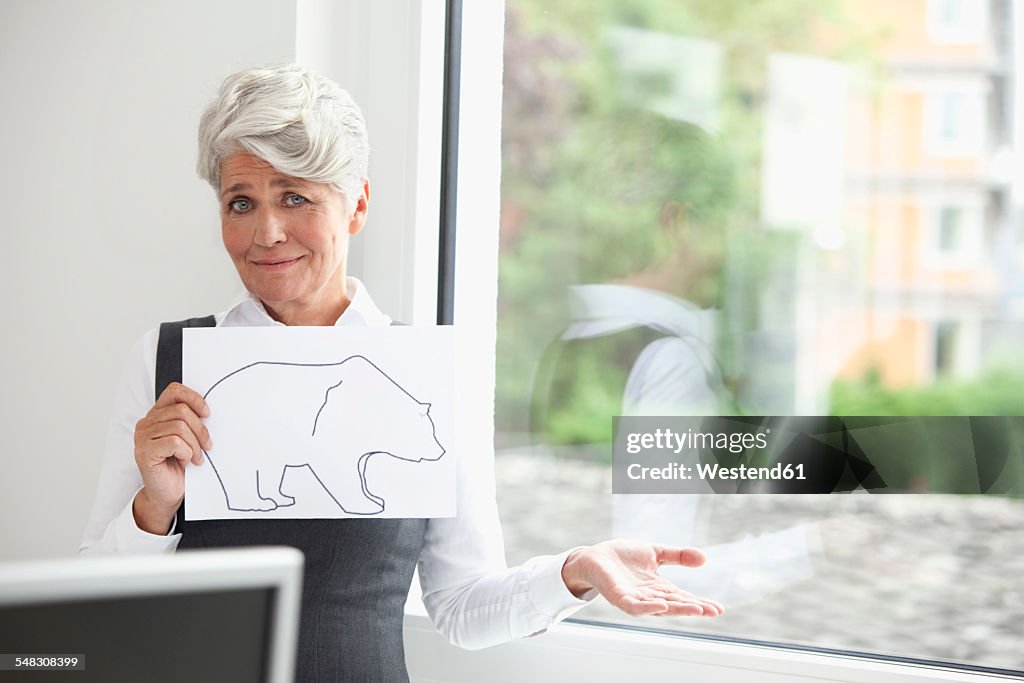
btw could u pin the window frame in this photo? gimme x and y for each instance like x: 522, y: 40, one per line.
x: 581, y: 651
x: 574, y: 649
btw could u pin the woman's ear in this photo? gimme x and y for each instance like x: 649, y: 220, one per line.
x: 358, y: 219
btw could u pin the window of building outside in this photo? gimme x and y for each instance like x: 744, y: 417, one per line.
x: 950, y: 12
x: 945, y: 346
x: 951, y: 238
x: 951, y: 115
x: 955, y: 119
x: 956, y: 21
x: 952, y: 231
x: 716, y: 208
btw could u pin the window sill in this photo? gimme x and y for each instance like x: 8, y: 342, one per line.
x: 582, y: 652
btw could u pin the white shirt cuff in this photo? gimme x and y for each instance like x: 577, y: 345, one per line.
x: 131, y: 540
x: 548, y: 592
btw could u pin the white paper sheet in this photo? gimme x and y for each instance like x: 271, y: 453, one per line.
x: 323, y: 422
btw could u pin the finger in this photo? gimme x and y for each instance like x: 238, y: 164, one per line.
x: 172, y: 447
x: 672, y: 593
x: 706, y: 609
x: 184, y: 413
x: 717, y: 605
x: 684, y: 609
x: 687, y: 557
x: 639, y: 607
x: 181, y: 430
x: 709, y: 607
x: 682, y: 598
x: 179, y: 393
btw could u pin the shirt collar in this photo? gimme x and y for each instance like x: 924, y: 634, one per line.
x: 361, y: 310
x: 601, y: 309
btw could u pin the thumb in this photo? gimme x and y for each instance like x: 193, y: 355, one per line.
x: 687, y: 557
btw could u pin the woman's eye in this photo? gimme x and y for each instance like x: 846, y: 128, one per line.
x: 240, y: 205
x: 294, y: 200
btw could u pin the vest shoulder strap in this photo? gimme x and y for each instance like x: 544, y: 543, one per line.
x: 168, y: 350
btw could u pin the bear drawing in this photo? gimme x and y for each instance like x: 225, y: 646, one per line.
x: 339, y: 414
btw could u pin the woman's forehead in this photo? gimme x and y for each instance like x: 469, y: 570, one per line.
x: 243, y: 163
x: 242, y: 168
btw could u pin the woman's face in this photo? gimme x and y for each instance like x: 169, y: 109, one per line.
x: 288, y: 238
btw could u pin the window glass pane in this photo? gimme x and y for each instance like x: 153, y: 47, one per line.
x: 950, y: 236
x: 950, y: 11
x: 945, y: 346
x: 729, y: 207
x: 950, y: 122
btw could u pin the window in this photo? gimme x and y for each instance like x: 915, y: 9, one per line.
x: 951, y: 237
x: 742, y: 239
x: 945, y: 346
x: 951, y: 107
x: 955, y: 238
x: 955, y: 120
x: 956, y: 21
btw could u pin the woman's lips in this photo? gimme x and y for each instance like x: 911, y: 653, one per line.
x: 275, y: 264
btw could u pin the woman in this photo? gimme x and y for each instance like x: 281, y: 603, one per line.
x: 286, y: 152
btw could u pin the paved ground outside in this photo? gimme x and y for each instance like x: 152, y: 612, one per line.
x: 928, y: 576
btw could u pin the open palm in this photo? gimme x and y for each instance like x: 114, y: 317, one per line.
x: 626, y: 574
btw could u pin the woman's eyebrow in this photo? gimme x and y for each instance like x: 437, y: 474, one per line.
x: 284, y: 182
x: 237, y: 187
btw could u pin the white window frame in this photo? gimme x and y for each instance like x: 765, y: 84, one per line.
x: 578, y: 652
x: 568, y: 651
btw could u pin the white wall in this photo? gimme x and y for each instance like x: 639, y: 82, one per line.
x: 108, y: 231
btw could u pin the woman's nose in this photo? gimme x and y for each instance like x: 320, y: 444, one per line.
x: 270, y: 228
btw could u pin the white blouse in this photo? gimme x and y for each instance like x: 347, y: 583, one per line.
x: 470, y: 594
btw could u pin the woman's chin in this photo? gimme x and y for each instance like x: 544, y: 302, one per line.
x: 275, y: 289
x: 273, y: 297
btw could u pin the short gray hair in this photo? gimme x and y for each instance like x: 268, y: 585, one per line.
x: 304, y: 125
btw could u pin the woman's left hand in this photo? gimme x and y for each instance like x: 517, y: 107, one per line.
x: 626, y: 574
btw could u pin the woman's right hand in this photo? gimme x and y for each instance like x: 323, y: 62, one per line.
x: 169, y: 436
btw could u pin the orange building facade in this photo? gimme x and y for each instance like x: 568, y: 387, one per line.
x: 927, y: 197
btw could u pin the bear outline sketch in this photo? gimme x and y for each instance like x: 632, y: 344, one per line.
x: 358, y: 405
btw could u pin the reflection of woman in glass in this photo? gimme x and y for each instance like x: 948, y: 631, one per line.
x: 644, y: 342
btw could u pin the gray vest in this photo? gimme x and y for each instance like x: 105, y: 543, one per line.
x: 357, y: 572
